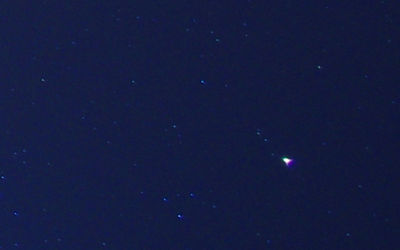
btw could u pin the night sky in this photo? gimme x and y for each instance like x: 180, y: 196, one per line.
x: 190, y: 125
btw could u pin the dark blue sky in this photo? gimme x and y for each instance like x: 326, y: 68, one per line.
x: 163, y: 124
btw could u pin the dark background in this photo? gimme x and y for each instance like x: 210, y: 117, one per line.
x: 162, y: 124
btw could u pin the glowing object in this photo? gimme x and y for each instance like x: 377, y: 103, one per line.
x: 288, y: 162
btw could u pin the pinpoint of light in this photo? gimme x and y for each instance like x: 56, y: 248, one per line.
x: 288, y: 162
